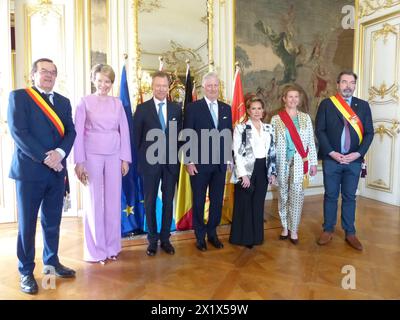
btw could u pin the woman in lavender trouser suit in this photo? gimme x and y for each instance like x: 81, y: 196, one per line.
x: 102, y: 154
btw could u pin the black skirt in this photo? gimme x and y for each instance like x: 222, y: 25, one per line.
x: 248, y: 209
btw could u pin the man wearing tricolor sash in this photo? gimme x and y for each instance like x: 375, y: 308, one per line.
x: 345, y: 131
x: 41, y: 125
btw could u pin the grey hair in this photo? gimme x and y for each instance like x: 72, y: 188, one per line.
x: 209, y: 75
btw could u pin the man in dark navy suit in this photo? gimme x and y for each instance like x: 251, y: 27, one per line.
x: 158, y: 116
x: 344, y: 130
x: 41, y: 125
x: 208, y: 171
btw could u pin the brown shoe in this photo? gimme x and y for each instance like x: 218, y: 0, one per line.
x: 354, y: 242
x: 325, y: 238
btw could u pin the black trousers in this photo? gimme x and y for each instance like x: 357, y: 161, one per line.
x: 150, y: 189
x: 215, y: 182
x: 248, y: 209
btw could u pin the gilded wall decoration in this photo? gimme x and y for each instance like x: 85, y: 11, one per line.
x: 368, y: 7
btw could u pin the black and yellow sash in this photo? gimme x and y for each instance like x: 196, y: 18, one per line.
x: 47, y: 110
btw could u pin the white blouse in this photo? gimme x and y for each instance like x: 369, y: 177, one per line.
x: 260, y: 141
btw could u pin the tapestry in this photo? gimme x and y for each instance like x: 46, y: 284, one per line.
x: 281, y: 41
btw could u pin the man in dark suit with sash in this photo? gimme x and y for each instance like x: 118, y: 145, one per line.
x: 208, y: 115
x: 344, y: 130
x: 164, y: 116
x: 41, y: 125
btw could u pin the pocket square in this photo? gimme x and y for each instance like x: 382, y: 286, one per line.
x: 225, y: 117
x: 173, y: 119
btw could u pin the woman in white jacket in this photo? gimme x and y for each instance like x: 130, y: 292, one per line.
x: 296, y: 159
x: 254, y: 156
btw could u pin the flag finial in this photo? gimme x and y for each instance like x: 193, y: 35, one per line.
x: 161, y: 59
x: 237, y: 65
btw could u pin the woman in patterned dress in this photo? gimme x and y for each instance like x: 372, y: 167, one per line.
x: 292, y: 168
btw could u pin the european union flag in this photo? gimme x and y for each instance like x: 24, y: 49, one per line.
x: 132, y: 199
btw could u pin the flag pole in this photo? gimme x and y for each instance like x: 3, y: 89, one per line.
x: 237, y: 70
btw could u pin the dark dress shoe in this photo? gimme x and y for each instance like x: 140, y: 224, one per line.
x: 201, y: 245
x: 216, y: 243
x: 151, y: 250
x: 249, y: 246
x: 28, y: 284
x: 59, y: 270
x: 167, y: 247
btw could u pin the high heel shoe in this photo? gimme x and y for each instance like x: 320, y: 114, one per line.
x: 282, y: 237
x: 114, y: 258
x: 102, y: 262
x: 294, y: 241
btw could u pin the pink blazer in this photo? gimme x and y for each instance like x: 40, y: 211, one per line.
x: 101, y: 128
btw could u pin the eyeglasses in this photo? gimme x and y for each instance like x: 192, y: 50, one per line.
x: 47, y: 72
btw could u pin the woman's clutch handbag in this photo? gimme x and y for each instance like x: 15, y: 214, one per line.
x: 85, y: 179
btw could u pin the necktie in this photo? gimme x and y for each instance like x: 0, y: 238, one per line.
x: 213, y: 114
x: 347, y: 139
x: 48, y: 96
x: 161, y: 115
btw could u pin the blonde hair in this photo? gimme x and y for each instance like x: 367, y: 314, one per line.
x: 104, y: 69
x: 303, y: 103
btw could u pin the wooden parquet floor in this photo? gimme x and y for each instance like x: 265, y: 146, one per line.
x: 275, y: 270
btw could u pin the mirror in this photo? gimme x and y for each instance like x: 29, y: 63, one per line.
x: 177, y: 31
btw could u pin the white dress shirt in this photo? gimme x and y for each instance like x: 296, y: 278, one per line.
x: 164, y: 109
x: 215, y: 106
x: 51, y: 93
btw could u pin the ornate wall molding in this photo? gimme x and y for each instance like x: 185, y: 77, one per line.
x: 368, y: 7
x: 39, y: 18
x: 385, y: 31
x: 392, y: 131
x: 385, y: 144
x: 383, y: 91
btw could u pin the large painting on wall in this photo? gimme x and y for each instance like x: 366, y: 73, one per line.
x: 282, y: 41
